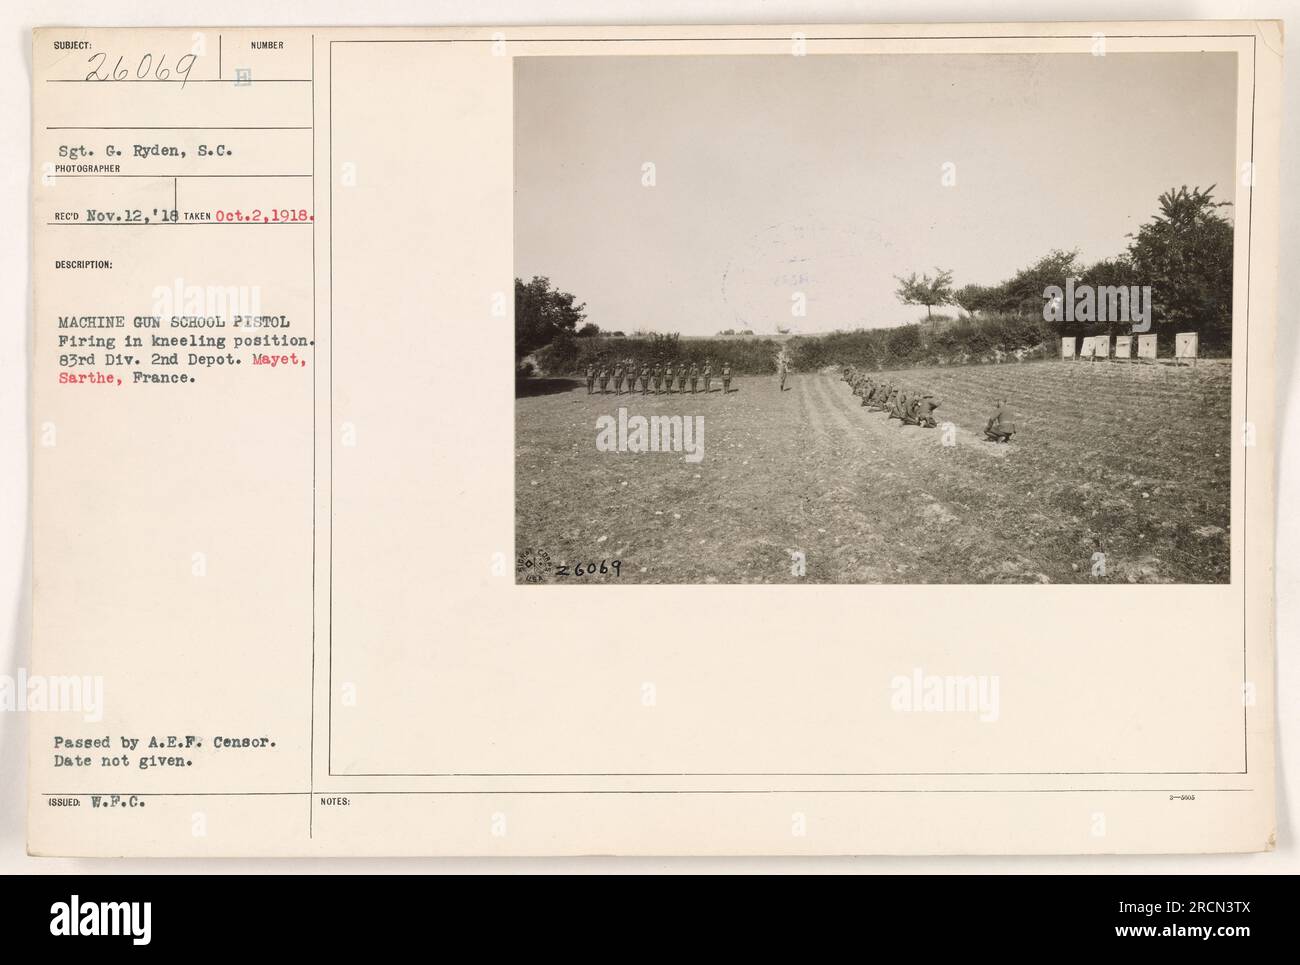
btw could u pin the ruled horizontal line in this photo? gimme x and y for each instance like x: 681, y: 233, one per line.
x: 59, y: 175
x: 523, y: 774
x: 606, y: 791
x: 193, y: 80
x: 148, y: 127
x: 169, y: 224
x: 786, y: 38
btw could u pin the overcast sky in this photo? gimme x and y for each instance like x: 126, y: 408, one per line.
x: 823, y: 175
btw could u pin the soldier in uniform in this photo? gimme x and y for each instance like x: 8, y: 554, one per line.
x: 925, y: 412
x: 618, y: 378
x: 708, y: 375
x: 895, y: 403
x: 681, y: 378
x: 1001, y: 425
x: 591, y: 378
x: 782, y: 370
x: 904, y: 400
x: 645, y: 378
x: 602, y: 378
x: 920, y: 412
x: 726, y: 377
x: 657, y: 377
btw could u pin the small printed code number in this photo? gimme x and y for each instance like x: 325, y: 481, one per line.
x: 590, y: 569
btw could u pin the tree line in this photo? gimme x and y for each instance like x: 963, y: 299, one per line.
x: 1184, y: 255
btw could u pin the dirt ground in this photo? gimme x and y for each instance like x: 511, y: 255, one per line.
x: 1120, y: 473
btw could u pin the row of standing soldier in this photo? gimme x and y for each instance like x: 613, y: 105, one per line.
x: 627, y: 374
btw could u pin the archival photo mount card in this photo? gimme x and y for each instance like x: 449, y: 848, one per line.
x: 835, y: 439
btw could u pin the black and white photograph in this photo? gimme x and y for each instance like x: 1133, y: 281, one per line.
x: 921, y: 370
x: 875, y: 319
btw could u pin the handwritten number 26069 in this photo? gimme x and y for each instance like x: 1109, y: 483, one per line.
x: 145, y: 69
x: 590, y: 569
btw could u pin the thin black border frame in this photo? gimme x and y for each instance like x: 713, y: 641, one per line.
x: 1253, y: 37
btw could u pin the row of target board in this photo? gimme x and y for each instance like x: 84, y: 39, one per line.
x: 1186, y: 345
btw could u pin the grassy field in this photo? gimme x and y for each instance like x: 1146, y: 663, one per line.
x: 1131, y: 461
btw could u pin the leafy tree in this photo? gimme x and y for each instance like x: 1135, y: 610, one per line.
x: 979, y: 298
x: 1023, y: 293
x: 541, y: 313
x: 925, y: 290
x: 590, y: 330
x: 564, y: 351
x: 904, y: 342
x: 665, y: 345
x: 1185, y: 254
x: 1109, y: 273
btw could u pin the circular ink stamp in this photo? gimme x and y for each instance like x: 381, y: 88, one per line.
x: 533, y: 566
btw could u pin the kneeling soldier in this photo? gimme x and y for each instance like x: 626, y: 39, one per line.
x: 923, y: 411
x: 898, y: 405
x: 1001, y: 425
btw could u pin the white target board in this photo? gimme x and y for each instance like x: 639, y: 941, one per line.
x: 1067, y: 348
x: 1186, y: 345
x: 1123, y: 346
x: 1147, y: 347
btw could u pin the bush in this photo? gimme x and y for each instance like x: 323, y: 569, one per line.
x: 985, y: 337
x: 569, y: 356
x: 956, y: 341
